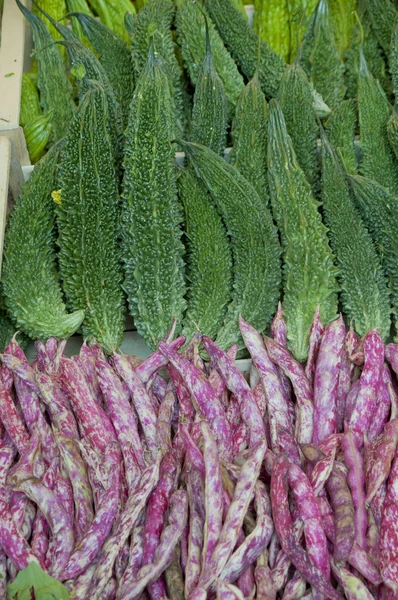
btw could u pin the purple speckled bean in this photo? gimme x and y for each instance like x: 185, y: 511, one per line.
x: 264, y: 583
x: 323, y: 467
x: 274, y: 548
x: 99, y: 529
x: 88, y: 356
x: 183, y: 550
x: 238, y: 385
x: 302, y: 389
x: 373, y: 538
x: 195, y: 456
x: 198, y: 594
x: 278, y: 412
x: 183, y: 394
x: 279, y: 334
x: 391, y: 353
x: 295, y: 587
x: 135, y: 554
x: 3, y: 575
x: 351, y: 400
x: 156, y: 361
x: 254, y: 544
x: 239, y: 440
x: 365, y: 404
x: 280, y: 570
x: 159, y: 387
x: 163, y: 425
x: 195, y: 539
x: 343, y: 388
x: 117, y: 402
x: 171, y: 535
x: 260, y: 398
x: 246, y: 583
x: 344, y: 513
x: 377, y: 503
x: 383, y: 406
x: 13, y: 422
x: 141, y: 401
x: 378, y: 458
x: 356, y: 482
x: 205, y: 397
x: 362, y: 562
x: 326, y: 380
x: 21, y: 368
x: 226, y: 591
x: 57, y: 405
x: 11, y: 540
x: 316, y: 332
x: 40, y: 537
x: 233, y: 413
x: 354, y: 588
x: 288, y: 445
x: 215, y: 379
x: 234, y: 520
x: 254, y: 377
x: 393, y: 399
x: 135, y: 504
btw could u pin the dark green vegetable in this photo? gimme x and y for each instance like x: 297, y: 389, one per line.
x: 383, y: 15
x: 30, y: 108
x: 87, y: 222
x: 37, y: 135
x: 377, y: 158
x: 392, y: 132
x: 56, y: 92
x: 209, y: 264
x: 209, y: 113
x: 115, y: 58
x: 80, y: 6
x: 249, y: 152
x: 31, y: 285
x: 191, y: 35
x: 309, y: 274
x: 393, y: 58
x: 364, y: 292
x: 152, y: 248
x: 295, y: 99
x: 340, y: 129
x: 254, y: 242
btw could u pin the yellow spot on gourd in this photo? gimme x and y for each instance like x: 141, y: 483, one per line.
x: 56, y: 196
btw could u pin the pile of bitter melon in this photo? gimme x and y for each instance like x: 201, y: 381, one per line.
x: 108, y: 222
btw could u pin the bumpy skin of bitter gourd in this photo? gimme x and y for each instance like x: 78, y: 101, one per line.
x: 383, y: 15
x: 80, y: 6
x: 244, y: 46
x: 340, y: 129
x: 56, y: 92
x: 393, y: 59
x: 392, y: 132
x: 209, y: 113
x: 115, y: 57
x: 379, y: 211
x: 30, y: 278
x: 364, y: 292
x: 156, y: 19
x: 112, y: 13
x: 254, y: 241
x: 271, y: 23
x: 87, y: 222
x: 191, y: 35
x: 295, y: 99
x: 309, y: 273
x: 37, y: 135
x: 209, y: 262
x: 55, y: 8
x: 30, y: 108
x: 378, y: 160
x: 249, y: 151
x: 342, y: 13
x: 152, y: 247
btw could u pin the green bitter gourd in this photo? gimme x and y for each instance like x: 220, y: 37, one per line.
x: 309, y: 273
x: 30, y: 278
x: 87, y: 222
x: 392, y: 132
x: 340, y: 129
x: 30, y: 108
x: 152, y: 247
x: 364, y: 292
x: 37, y: 135
x: 383, y: 15
x: 79, y: 6
x: 112, y: 13
x: 271, y: 23
x: 55, y: 8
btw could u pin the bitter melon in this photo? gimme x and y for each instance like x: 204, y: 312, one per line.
x: 393, y: 59
x: 209, y: 263
x: 364, y: 292
x: 115, y: 57
x: 377, y: 158
x: 112, y: 13
x: 249, y: 133
x: 342, y: 13
x: 245, y: 47
x: 340, y: 129
x: 57, y: 10
x: 37, y: 135
x: 80, y: 6
x: 309, y: 273
x: 294, y: 97
x: 30, y: 108
x: 87, y: 222
x: 209, y: 113
x: 271, y: 23
x: 300, y: 12
x: 30, y: 278
x: 191, y: 35
x: 152, y: 247
x: 378, y: 208
x: 254, y: 242
x: 392, y: 132
x: 383, y: 15
x: 56, y: 92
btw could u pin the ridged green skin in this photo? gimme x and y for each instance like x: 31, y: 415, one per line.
x: 300, y: 12
x: 254, y: 242
x: 364, y: 293
x: 379, y: 211
x: 342, y: 13
x: 37, y: 135
x: 378, y: 160
x: 115, y: 58
x: 209, y: 263
x: 56, y: 92
x: 340, y: 129
x: 156, y: 19
x: 191, y: 35
x: 392, y: 132
x: 244, y: 46
x: 295, y: 99
x: 7, y: 330
x: 393, y: 59
x: 249, y: 133
x: 55, y: 8
x: 30, y: 108
x: 80, y: 6
x: 30, y: 278
x: 112, y: 14
x: 87, y: 222
x: 271, y: 23
x: 209, y: 113
x: 383, y: 15
x: 309, y: 274
x: 326, y: 65
x: 152, y: 247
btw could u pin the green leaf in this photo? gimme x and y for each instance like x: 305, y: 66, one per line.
x: 44, y: 586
